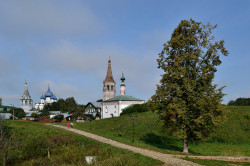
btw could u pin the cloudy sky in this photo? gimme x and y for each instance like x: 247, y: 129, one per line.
x: 66, y: 44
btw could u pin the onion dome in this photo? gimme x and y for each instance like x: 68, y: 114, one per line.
x: 42, y: 97
x: 48, y: 93
x: 122, y: 78
x: 53, y: 97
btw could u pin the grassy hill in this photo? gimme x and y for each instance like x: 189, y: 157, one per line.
x: 232, y: 138
x: 32, y: 140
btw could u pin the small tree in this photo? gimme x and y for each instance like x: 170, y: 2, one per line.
x: 186, y: 99
x: 0, y: 101
x: 59, y: 118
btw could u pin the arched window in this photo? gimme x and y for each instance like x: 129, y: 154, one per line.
x: 108, y: 87
x: 106, y: 109
x: 111, y: 87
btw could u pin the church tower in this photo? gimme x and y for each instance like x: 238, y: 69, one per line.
x: 109, y: 84
x: 26, y: 101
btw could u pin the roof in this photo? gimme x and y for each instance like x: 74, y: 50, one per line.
x: 95, y: 104
x: 26, y: 91
x: 48, y: 93
x: 109, y: 76
x: 6, y: 116
x: 123, y: 98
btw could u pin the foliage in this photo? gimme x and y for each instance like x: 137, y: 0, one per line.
x: 186, y: 99
x: 136, y: 108
x: 1, y: 101
x: 59, y: 118
x: 34, y: 115
x: 19, y: 113
x: 69, y: 105
x: 240, y: 102
x: 45, y: 112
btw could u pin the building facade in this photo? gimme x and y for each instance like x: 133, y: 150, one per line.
x: 26, y: 102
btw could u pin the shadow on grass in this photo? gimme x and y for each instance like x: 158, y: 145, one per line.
x: 164, y: 142
x: 161, y: 142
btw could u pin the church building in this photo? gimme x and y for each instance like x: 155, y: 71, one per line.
x: 26, y: 102
x: 112, y: 105
x: 47, y: 98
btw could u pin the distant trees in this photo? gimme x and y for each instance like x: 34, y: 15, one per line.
x: 68, y: 105
x: 240, y: 102
x: 187, y: 100
x: 0, y: 101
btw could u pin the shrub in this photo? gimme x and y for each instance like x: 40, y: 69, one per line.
x: 136, y: 108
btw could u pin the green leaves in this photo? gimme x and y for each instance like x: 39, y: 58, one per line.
x: 186, y: 99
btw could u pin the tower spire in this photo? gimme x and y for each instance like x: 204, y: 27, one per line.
x: 109, y: 76
x: 109, y: 88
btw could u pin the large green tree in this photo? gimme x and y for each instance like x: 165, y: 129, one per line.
x: 187, y: 100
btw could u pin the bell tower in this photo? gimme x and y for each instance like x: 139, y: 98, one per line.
x: 109, y: 88
x: 26, y: 101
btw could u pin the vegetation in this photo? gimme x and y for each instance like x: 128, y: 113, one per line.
x: 240, y: 102
x: 39, y: 144
x: 0, y: 101
x: 18, y: 112
x: 229, y: 139
x: 69, y: 105
x: 186, y: 100
x: 217, y: 162
x: 136, y: 108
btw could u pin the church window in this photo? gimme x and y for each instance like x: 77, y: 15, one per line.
x: 111, y: 87
x: 26, y: 102
x: 108, y: 87
x: 106, y: 109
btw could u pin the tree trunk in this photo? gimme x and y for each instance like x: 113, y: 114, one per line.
x: 185, y: 146
x: 4, y: 160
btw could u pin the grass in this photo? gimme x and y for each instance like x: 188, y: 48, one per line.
x: 66, y: 148
x: 217, y: 162
x: 232, y: 138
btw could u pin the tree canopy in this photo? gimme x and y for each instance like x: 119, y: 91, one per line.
x: 240, y: 102
x: 187, y: 100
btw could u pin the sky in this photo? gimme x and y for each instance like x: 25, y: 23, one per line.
x: 66, y: 45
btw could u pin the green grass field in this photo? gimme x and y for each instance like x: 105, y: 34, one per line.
x: 232, y: 138
x: 32, y: 140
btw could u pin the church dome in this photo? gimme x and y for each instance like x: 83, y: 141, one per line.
x: 53, y: 97
x: 42, y: 97
x: 48, y: 93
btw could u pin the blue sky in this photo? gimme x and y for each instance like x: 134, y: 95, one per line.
x: 66, y: 44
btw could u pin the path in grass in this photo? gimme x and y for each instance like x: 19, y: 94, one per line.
x: 166, y: 158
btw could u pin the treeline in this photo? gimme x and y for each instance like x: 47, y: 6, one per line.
x: 240, y: 102
x: 68, y: 105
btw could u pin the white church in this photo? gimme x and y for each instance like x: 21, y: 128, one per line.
x: 112, y: 105
x: 47, y: 98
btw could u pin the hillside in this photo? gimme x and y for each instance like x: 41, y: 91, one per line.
x: 229, y: 139
x: 33, y: 140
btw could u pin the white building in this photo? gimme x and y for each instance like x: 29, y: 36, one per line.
x: 47, y: 98
x: 26, y: 101
x: 112, y: 105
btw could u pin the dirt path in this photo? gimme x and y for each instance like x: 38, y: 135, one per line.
x: 168, y: 159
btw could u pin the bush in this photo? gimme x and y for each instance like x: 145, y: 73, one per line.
x: 136, y: 108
